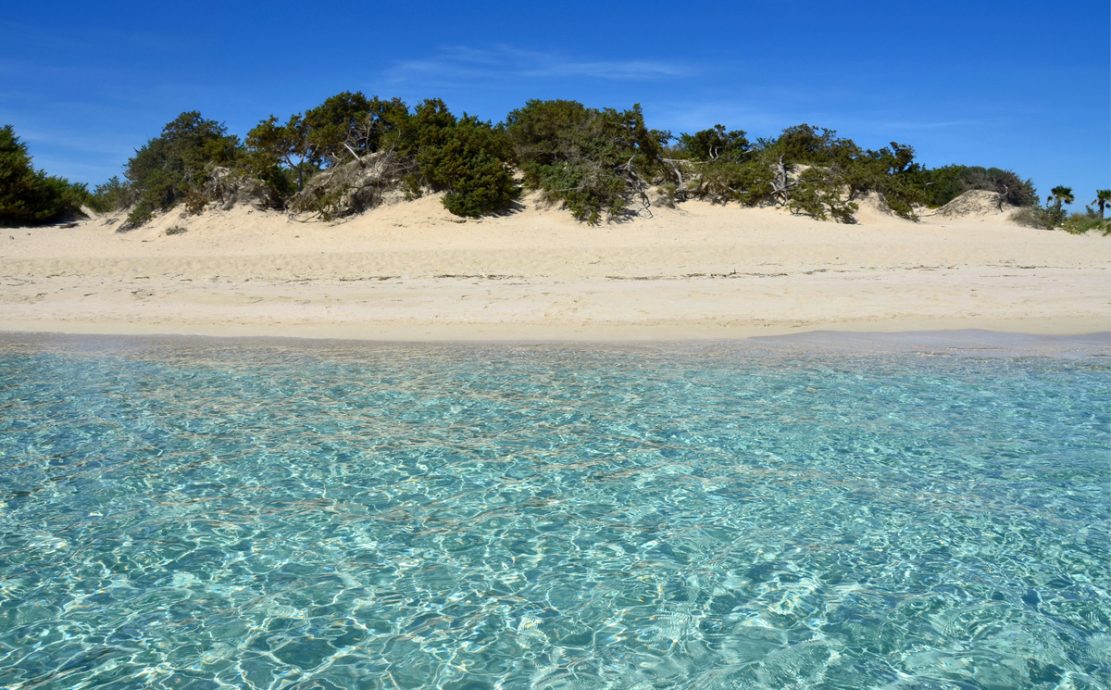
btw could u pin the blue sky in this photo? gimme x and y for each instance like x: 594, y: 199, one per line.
x: 1020, y: 85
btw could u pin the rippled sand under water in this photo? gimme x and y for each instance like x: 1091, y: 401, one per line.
x: 206, y: 513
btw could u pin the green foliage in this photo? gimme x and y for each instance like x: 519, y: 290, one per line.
x: 1046, y: 217
x: 347, y: 153
x: 724, y: 168
x: 172, y: 168
x: 808, y: 169
x: 890, y: 172
x: 1050, y: 216
x: 835, y: 171
x: 350, y: 124
x: 279, y: 155
x: 281, y: 183
x: 1060, y: 195
x: 1103, y: 199
x: 486, y: 186
x: 550, y: 132
x: 593, y: 161
x: 721, y: 181
x: 465, y: 158
x: 809, y: 145
x: 1080, y: 223
x: 112, y: 195
x: 425, y: 129
x: 29, y: 196
x: 819, y: 192
x: 941, y: 185
x: 340, y: 119
x: 354, y: 149
x: 715, y: 144
x: 587, y: 189
x: 345, y: 127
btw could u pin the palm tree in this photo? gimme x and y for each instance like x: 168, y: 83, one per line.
x: 1061, y: 195
x: 1103, y: 199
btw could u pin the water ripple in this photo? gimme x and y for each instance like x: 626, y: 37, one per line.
x: 202, y: 516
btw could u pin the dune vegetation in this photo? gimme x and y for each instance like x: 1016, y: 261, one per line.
x: 353, y: 152
x: 29, y: 196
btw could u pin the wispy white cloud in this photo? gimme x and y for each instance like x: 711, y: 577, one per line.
x: 462, y: 63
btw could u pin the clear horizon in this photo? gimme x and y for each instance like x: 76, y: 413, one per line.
x: 1021, y: 86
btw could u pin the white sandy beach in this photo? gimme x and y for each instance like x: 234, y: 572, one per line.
x: 411, y: 271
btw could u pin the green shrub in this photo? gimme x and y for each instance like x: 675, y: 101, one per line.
x: 1053, y: 215
x: 173, y: 167
x: 279, y: 155
x: 1080, y: 223
x: 350, y: 124
x: 587, y: 189
x: 425, y: 129
x: 727, y: 168
x: 820, y: 193
x: 714, y: 144
x: 485, y: 187
x: 721, y: 181
x: 593, y: 161
x: 811, y: 146
x: 362, y: 147
x: 112, y: 195
x: 1046, y: 218
x: 466, y: 159
x: 597, y: 163
x: 891, y: 173
x: 29, y: 196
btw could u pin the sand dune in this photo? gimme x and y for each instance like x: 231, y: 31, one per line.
x: 413, y: 271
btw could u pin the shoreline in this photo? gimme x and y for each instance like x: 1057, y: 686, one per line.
x: 967, y: 341
x: 602, y: 333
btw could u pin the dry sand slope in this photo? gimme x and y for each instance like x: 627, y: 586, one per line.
x: 413, y: 271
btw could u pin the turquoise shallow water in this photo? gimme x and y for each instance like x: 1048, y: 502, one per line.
x: 198, y: 515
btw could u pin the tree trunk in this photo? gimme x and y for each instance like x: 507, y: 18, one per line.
x: 780, y: 182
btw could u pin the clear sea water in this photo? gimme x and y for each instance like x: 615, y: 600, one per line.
x: 203, y: 514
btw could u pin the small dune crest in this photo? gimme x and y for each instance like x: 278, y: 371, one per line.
x: 976, y: 204
x: 871, y: 209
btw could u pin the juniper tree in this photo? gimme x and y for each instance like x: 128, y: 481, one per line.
x: 593, y: 161
x: 465, y: 158
x: 350, y: 124
x: 173, y: 167
x: 29, y: 196
x: 715, y: 144
x: 272, y: 145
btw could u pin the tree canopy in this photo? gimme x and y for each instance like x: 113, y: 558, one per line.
x: 29, y: 196
x: 173, y: 167
x: 592, y: 161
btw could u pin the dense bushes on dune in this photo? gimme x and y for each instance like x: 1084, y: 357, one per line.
x: 353, y: 152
